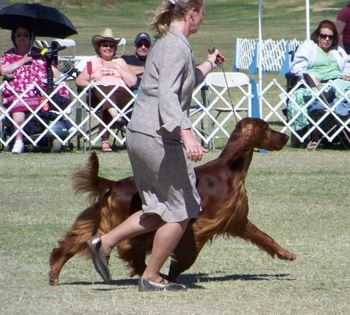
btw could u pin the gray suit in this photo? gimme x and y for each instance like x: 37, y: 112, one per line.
x: 166, y: 88
x: 164, y: 176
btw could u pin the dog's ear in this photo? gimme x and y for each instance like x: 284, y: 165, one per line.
x: 248, y: 130
x: 253, y: 132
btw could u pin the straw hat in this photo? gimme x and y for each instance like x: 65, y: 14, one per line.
x: 106, y: 35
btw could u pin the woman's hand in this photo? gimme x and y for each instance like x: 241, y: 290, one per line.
x: 128, y: 76
x: 346, y: 77
x: 27, y: 59
x: 216, y: 56
x: 193, y: 148
x: 10, y: 68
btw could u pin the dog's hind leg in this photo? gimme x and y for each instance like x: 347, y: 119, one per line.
x: 134, y: 252
x: 59, y: 256
x: 251, y: 233
x: 185, y: 253
x: 86, y: 225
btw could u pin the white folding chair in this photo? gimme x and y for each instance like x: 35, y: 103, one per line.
x: 121, y: 46
x: 42, y: 43
x: 229, y: 98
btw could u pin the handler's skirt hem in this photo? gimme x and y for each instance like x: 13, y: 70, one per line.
x: 164, y: 177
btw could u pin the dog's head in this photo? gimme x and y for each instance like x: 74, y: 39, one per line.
x: 257, y: 133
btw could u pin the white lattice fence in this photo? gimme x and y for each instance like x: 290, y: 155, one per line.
x: 207, y: 125
x: 55, y: 126
x: 274, y: 53
x: 273, y: 106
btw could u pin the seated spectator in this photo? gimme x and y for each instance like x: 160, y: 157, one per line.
x: 321, y: 59
x: 23, y: 65
x: 136, y: 62
x: 107, y: 72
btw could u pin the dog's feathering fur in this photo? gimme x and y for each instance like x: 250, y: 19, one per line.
x: 220, y: 183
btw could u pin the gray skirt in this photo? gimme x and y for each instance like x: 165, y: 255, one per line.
x: 164, y: 177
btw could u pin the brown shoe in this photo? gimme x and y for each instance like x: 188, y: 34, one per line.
x: 99, y: 258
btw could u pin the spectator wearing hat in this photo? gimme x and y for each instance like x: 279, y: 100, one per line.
x: 136, y: 62
x: 107, y: 71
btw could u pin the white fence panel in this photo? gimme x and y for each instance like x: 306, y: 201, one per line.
x: 274, y: 53
x: 208, y: 102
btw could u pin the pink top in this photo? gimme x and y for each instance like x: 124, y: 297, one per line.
x: 23, y: 77
x: 105, y: 72
x: 344, y: 16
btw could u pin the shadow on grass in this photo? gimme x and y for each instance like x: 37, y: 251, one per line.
x: 192, y: 281
x: 120, y: 282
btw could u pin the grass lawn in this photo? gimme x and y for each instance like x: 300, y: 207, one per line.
x: 299, y: 198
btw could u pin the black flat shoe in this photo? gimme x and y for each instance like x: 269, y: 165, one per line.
x: 99, y: 259
x: 147, y: 285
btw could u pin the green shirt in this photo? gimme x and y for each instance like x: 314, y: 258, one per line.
x: 325, y: 66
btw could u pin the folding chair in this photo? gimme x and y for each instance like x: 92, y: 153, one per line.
x: 92, y: 132
x: 228, y: 94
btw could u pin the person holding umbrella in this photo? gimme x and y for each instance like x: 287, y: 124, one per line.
x: 23, y: 65
x: 27, y: 20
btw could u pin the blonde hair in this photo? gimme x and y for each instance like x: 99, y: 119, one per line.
x: 170, y: 10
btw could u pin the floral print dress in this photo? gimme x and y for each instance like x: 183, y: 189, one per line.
x: 22, y: 83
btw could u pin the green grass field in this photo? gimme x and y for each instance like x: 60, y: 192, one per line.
x: 299, y: 198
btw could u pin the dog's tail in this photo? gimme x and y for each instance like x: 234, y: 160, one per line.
x: 86, y: 179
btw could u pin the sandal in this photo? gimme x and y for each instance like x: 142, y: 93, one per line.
x: 312, y: 146
x: 105, y: 147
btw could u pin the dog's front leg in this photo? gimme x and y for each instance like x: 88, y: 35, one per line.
x: 251, y: 233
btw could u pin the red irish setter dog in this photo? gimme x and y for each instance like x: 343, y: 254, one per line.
x: 220, y: 184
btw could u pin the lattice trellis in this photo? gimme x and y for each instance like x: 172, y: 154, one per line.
x: 81, y: 128
x: 272, y: 110
x: 207, y: 102
x: 274, y: 53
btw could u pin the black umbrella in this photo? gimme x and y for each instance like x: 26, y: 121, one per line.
x: 42, y: 20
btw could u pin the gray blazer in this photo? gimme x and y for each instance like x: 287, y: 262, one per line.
x: 166, y: 88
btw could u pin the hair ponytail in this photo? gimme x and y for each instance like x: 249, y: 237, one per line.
x: 170, y: 10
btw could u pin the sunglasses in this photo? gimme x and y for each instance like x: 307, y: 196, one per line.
x: 143, y: 44
x: 325, y: 36
x: 108, y: 45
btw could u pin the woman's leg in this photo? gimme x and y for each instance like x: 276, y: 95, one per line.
x: 101, y: 246
x: 107, y: 112
x: 19, y: 117
x: 131, y: 227
x: 18, y: 146
x: 166, y: 238
x: 114, y: 113
x: 120, y: 98
x: 164, y: 243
